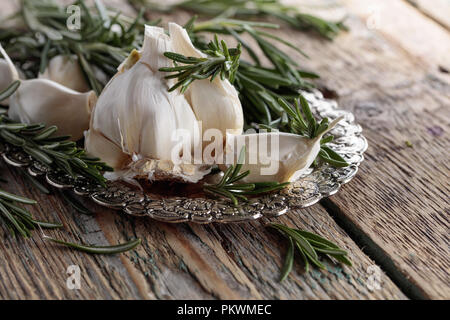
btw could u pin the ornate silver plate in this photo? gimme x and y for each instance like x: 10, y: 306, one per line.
x: 320, y: 182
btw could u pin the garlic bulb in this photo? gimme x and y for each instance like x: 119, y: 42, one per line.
x: 275, y: 156
x: 46, y: 101
x: 66, y: 71
x: 215, y: 103
x: 133, y: 122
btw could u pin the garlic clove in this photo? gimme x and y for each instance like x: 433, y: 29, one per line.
x: 110, y: 152
x: 8, y: 73
x: 66, y: 71
x: 216, y: 104
x: 287, y: 158
x: 6, y: 78
x: 138, y: 115
x: 45, y: 101
x: 156, y: 42
x: 48, y: 102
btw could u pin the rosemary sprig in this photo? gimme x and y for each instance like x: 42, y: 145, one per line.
x: 229, y: 187
x: 247, y: 9
x: 302, y: 122
x: 103, y: 41
x: 220, y: 61
x: 259, y: 86
x: 16, y: 219
x: 55, y: 152
x: 309, y: 245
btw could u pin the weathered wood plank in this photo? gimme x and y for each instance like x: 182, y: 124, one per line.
x: 239, y: 261
x: 175, y: 261
x: 406, y: 28
x: 225, y: 261
x: 438, y: 10
x: 34, y: 269
x: 399, y: 199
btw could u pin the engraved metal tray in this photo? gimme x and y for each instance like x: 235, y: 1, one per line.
x: 320, y: 182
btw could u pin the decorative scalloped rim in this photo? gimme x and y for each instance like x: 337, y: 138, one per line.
x: 321, y: 182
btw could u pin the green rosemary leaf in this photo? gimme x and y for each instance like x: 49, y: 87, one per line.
x: 325, y: 157
x: 333, y: 155
x: 16, y: 198
x: 251, y: 9
x: 308, y: 249
x: 326, y: 140
x: 315, y: 237
x: 47, y: 225
x: 38, y: 155
x: 312, y: 259
x: 228, y: 188
x: 288, y: 262
x: 36, y: 183
x: 343, y: 259
x: 17, y: 209
x: 130, y: 245
x: 332, y: 252
x: 46, y: 133
x: 34, y: 24
x: 219, y: 61
x: 9, y: 90
x: 307, y: 112
x: 309, y: 245
x: 44, y: 57
x: 256, y: 191
x: 304, y: 257
x: 18, y: 226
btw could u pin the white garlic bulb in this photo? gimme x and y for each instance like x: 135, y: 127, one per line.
x: 275, y: 156
x: 66, y: 71
x: 135, y: 118
x: 46, y: 101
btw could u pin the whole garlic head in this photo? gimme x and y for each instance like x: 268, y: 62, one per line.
x: 133, y: 122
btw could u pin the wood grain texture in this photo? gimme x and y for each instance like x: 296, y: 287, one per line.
x: 184, y: 261
x: 438, y: 10
x: 399, y: 199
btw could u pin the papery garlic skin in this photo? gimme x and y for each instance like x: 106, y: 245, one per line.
x: 215, y: 103
x: 291, y: 155
x: 138, y: 115
x: 66, y: 71
x: 46, y: 101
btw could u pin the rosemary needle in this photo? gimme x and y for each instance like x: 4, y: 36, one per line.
x: 229, y: 186
x: 289, y: 261
x: 290, y: 15
x: 114, y: 249
x: 220, y: 61
x: 309, y: 246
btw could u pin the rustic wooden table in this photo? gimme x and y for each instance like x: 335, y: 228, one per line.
x: 392, y: 70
